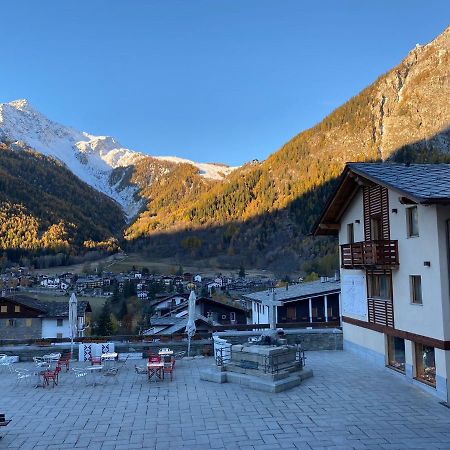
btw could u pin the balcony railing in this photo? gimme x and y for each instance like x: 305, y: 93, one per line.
x: 360, y: 255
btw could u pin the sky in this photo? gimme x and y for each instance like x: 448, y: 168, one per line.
x: 208, y: 80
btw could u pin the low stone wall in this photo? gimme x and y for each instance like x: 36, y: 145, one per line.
x: 311, y: 339
x: 26, y: 352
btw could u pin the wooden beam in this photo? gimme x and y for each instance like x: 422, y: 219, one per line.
x: 419, y: 338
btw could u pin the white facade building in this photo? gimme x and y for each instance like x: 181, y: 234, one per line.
x: 393, y: 223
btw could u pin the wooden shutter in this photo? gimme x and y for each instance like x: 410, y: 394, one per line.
x: 376, y: 204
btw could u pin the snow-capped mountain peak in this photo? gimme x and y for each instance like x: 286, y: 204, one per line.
x: 91, y: 158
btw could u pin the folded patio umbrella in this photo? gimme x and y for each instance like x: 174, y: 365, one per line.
x: 190, y: 326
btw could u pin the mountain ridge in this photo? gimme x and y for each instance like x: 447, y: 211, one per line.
x: 261, y: 213
x: 91, y: 158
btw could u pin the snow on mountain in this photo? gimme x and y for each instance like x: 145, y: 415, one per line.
x: 214, y: 171
x: 91, y: 158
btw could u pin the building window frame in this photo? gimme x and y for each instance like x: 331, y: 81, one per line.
x: 425, y: 364
x: 379, y: 286
x: 28, y: 322
x: 415, y: 289
x: 59, y: 322
x: 396, y: 354
x: 17, y: 308
x: 3, y: 308
x: 412, y: 221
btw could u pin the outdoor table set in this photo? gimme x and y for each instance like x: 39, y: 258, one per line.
x: 160, y: 364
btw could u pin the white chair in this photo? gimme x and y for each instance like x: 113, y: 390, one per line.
x: 52, y: 357
x: 6, y: 364
x: 80, y: 374
x: 40, y: 362
x: 23, y: 375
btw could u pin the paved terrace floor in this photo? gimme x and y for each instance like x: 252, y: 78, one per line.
x: 348, y: 404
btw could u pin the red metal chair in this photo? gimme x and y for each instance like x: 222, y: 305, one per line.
x: 51, y: 375
x: 96, y: 360
x: 65, y: 360
x: 154, y: 358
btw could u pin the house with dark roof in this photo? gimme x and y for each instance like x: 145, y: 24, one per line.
x: 393, y: 224
x: 23, y: 317
x: 210, y: 312
x: 316, y: 301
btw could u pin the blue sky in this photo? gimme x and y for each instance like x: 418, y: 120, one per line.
x: 208, y: 80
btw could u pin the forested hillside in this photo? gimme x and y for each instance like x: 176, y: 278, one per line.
x: 44, y: 208
x: 257, y: 215
x: 262, y: 212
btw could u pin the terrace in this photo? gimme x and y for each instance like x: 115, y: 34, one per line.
x: 348, y: 404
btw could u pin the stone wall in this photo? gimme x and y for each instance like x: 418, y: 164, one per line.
x: 312, y: 340
x: 20, y: 330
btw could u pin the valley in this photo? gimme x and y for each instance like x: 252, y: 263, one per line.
x: 258, y: 215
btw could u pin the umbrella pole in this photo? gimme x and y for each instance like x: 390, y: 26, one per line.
x: 189, y: 346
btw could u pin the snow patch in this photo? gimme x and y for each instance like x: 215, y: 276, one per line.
x: 91, y: 158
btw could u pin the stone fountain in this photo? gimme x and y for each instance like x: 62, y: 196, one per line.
x: 267, y: 364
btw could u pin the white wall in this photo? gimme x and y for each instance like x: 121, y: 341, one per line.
x: 353, y: 282
x: 262, y: 316
x: 353, y: 212
x: 50, y: 329
x: 425, y: 319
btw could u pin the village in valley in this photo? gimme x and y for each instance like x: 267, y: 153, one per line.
x: 204, y: 246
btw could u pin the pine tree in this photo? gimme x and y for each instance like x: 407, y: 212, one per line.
x: 105, y: 325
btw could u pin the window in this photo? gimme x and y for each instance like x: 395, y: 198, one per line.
x: 17, y: 308
x: 425, y: 364
x: 415, y: 282
x: 350, y: 233
x: 28, y: 322
x: 412, y: 220
x: 59, y: 335
x: 376, y: 231
x: 3, y: 309
x: 233, y: 316
x: 396, y: 353
x: 59, y: 322
x: 10, y: 323
x: 379, y: 286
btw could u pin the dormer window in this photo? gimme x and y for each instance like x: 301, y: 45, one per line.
x: 412, y: 221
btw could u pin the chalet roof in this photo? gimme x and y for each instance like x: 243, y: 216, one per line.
x: 175, y: 324
x: 50, y: 309
x: 421, y: 183
x: 225, y: 303
x: 298, y: 291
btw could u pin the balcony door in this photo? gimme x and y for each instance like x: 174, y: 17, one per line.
x: 376, y: 228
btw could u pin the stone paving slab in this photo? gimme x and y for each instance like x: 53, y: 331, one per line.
x: 349, y: 404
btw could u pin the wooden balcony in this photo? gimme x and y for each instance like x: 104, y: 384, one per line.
x: 370, y: 254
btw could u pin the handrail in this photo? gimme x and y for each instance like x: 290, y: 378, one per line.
x: 370, y: 253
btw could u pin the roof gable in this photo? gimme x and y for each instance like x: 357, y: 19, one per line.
x: 421, y: 183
